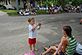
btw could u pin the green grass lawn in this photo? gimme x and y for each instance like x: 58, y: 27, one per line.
x: 41, y: 12
x: 11, y: 12
x: 14, y: 12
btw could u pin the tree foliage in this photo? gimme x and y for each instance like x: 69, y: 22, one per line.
x: 60, y: 2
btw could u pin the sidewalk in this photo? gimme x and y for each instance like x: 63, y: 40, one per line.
x: 3, y: 13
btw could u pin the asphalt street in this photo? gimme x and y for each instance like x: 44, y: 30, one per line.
x: 14, y: 31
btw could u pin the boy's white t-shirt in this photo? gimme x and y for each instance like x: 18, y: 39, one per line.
x: 32, y: 34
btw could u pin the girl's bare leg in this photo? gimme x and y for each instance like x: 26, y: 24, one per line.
x: 48, y: 50
x: 45, y: 48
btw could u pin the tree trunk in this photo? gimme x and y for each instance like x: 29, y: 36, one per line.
x: 24, y: 4
x: 6, y: 2
x: 62, y: 3
x: 18, y: 2
x: 17, y: 6
x: 9, y: 1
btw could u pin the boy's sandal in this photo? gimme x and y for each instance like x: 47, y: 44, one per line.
x: 35, y: 49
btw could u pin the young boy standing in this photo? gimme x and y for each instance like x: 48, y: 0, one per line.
x: 32, y: 33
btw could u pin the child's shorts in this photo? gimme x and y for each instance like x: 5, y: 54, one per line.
x: 32, y: 41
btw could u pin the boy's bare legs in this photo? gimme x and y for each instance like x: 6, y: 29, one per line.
x: 48, y: 50
x: 30, y: 47
x: 34, y: 48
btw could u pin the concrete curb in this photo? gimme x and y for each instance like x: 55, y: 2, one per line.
x: 3, y: 13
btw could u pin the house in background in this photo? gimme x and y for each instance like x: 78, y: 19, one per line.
x: 14, y: 3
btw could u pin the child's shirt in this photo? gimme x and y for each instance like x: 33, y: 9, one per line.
x: 32, y: 34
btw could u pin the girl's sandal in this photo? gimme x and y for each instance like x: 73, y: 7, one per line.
x: 45, y: 48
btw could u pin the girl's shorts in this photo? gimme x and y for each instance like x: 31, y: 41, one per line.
x: 32, y: 41
x: 61, y: 53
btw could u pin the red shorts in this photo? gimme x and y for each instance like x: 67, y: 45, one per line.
x: 81, y: 21
x: 32, y: 41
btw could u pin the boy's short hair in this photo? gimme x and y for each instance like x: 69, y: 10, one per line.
x: 29, y: 20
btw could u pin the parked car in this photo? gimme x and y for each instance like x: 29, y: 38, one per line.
x: 9, y: 7
x: 42, y: 8
x: 2, y: 7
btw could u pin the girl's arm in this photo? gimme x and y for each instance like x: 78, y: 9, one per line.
x: 59, y: 46
x: 39, y: 26
x: 35, y: 26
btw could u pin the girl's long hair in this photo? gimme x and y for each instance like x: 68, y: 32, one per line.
x: 68, y: 31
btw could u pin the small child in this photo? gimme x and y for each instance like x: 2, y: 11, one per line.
x: 32, y: 33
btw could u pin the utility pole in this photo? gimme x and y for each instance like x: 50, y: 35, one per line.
x: 17, y: 6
